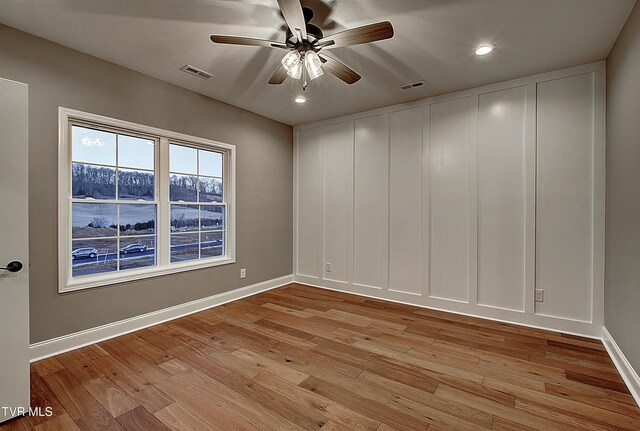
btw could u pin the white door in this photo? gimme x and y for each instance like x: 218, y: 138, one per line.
x: 14, y: 250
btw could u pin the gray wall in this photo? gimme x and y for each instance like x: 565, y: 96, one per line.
x: 622, y: 267
x: 58, y: 76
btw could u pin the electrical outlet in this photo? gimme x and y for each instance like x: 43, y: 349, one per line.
x: 243, y: 273
x: 539, y: 295
x: 328, y: 269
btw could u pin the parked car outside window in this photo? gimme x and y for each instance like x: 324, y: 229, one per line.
x: 85, y: 252
x: 133, y: 248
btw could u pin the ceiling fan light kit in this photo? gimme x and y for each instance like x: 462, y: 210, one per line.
x: 304, y: 41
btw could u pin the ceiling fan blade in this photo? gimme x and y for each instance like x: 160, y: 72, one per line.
x: 293, y: 15
x: 339, y: 69
x: 354, y: 36
x: 249, y: 41
x: 278, y: 76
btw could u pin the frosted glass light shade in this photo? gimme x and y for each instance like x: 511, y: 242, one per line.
x: 292, y: 63
x: 313, y: 64
x: 296, y: 71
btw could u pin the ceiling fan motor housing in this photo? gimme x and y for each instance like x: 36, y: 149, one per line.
x: 313, y: 34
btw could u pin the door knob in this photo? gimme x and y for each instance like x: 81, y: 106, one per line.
x: 13, y: 266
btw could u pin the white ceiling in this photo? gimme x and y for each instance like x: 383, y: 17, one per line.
x: 434, y: 41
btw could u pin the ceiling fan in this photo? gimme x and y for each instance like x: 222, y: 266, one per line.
x: 304, y: 41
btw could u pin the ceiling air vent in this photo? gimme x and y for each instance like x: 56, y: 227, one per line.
x: 192, y: 70
x: 412, y: 85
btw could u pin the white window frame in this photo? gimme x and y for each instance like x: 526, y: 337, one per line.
x: 67, y: 283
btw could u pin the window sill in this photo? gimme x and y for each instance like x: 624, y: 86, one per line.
x: 109, y: 279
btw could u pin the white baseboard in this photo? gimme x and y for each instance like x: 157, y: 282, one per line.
x: 55, y: 346
x: 629, y: 375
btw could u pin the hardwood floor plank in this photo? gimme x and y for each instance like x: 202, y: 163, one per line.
x: 79, y: 366
x: 615, y: 384
x: 41, y: 398
x: 364, y: 405
x: 75, y: 399
x: 125, y: 377
x: 146, y: 368
x: 177, y: 418
x: 505, y: 414
x: 201, y: 362
x: 139, y: 419
x: 595, y: 398
x: 241, y: 405
x: 151, y: 398
x: 60, y: 423
x: 92, y: 352
x: 112, y: 398
x: 451, y: 408
x: 17, y: 424
x: 261, y: 363
x: 565, y: 406
x: 205, y: 407
x: 297, y: 413
x: 336, y: 412
x: 99, y: 420
x: 46, y: 366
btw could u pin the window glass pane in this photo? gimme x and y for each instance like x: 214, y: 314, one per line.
x: 210, y: 189
x: 137, y: 252
x: 94, y: 256
x: 93, y: 220
x: 93, y: 146
x: 137, y: 219
x: 212, y: 244
x: 136, y: 184
x: 183, y: 160
x: 212, y: 217
x: 136, y: 152
x: 184, y: 247
x: 210, y: 163
x: 183, y: 188
x: 96, y: 182
x: 184, y: 218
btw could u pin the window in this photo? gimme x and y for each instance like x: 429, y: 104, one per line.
x: 138, y: 202
x: 196, y: 193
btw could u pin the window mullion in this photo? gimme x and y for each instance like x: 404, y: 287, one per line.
x: 163, y: 245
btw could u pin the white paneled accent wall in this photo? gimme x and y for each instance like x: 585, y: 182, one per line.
x: 466, y: 202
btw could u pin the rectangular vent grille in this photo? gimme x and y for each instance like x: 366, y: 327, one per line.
x: 192, y: 70
x: 412, y: 85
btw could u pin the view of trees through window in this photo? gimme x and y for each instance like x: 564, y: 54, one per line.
x: 114, y: 202
x: 196, y: 192
x: 113, y: 209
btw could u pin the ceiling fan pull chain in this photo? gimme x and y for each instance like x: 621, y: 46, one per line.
x: 304, y: 80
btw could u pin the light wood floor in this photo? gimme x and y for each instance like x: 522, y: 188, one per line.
x: 299, y: 358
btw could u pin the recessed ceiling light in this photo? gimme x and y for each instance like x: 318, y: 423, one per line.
x: 300, y: 99
x: 484, y: 49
